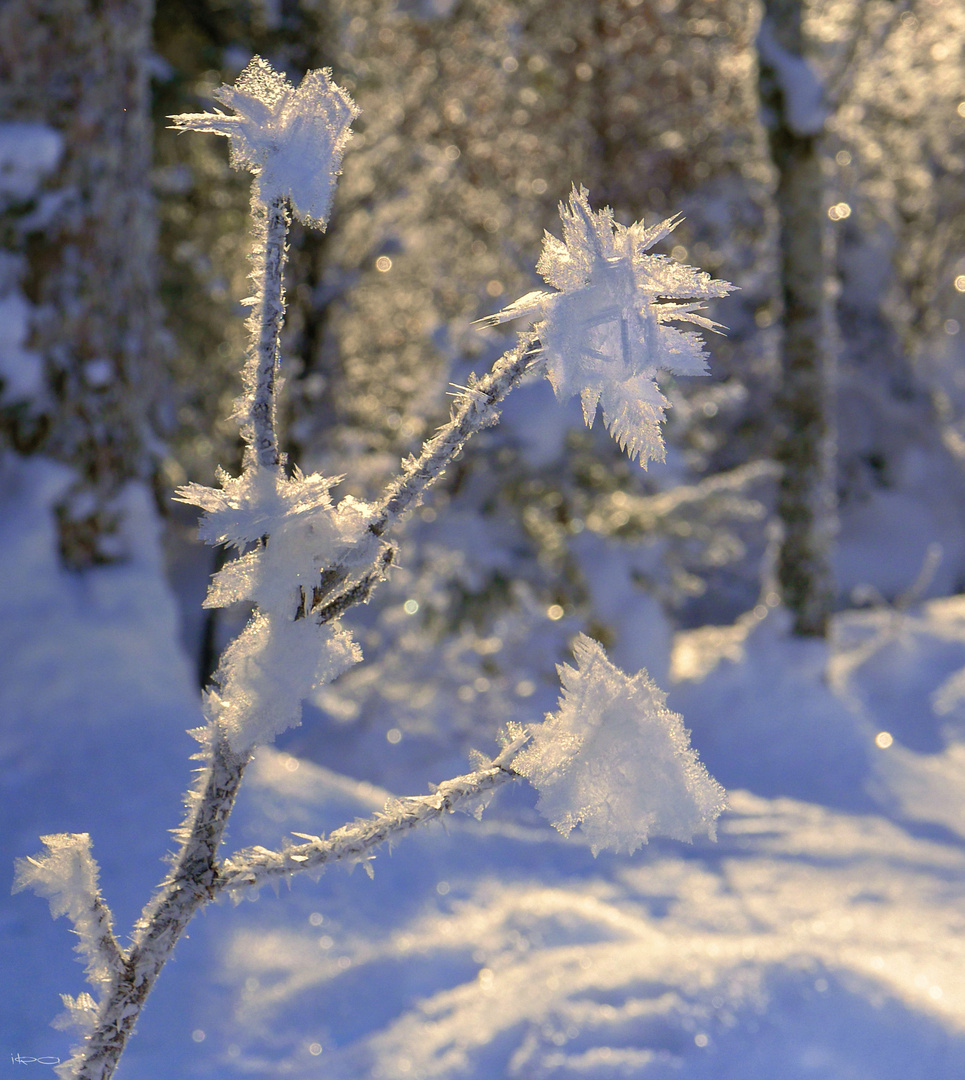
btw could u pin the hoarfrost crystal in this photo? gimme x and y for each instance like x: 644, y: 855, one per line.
x: 67, y: 875
x: 292, y: 139
x: 278, y: 660
x: 604, y: 333
x: 615, y: 761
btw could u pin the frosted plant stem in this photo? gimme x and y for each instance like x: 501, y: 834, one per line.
x: 196, y: 878
x: 476, y: 408
x: 106, y: 944
x: 352, y: 843
x: 192, y: 881
x: 272, y: 221
x: 191, y: 884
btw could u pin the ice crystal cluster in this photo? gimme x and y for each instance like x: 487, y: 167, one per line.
x: 616, y: 761
x: 292, y: 139
x: 605, y: 332
x: 282, y: 656
x: 307, y: 532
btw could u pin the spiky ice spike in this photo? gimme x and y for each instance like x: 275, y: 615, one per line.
x: 605, y: 332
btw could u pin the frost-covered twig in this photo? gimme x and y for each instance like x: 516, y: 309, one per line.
x: 190, y: 885
x: 264, y: 325
x: 474, y: 409
x: 357, y: 593
x: 353, y: 843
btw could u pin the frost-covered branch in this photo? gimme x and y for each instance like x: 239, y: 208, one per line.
x: 723, y: 494
x: 612, y: 759
x: 353, y: 843
x: 264, y: 325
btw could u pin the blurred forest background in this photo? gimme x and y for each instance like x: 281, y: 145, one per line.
x: 124, y: 262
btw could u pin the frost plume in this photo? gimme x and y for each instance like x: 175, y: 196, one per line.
x: 292, y: 139
x: 604, y: 333
x: 267, y: 672
x: 66, y: 875
x: 615, y: 761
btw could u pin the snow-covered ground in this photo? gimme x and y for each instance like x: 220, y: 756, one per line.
x: 820, y: 937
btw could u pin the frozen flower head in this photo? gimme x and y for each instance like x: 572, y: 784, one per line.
x: 605, y: 332
x: 291, y: 139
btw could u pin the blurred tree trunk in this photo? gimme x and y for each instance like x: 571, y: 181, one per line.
x: 794, y: 118
x: 80, y: 254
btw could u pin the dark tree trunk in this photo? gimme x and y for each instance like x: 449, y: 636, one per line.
x: 805, y: 435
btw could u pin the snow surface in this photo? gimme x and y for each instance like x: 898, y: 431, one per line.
x: 21, y: 370
x: 28, y: 153
x: 821, y: 936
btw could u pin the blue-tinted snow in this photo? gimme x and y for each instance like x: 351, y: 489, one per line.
x: 820, y: 937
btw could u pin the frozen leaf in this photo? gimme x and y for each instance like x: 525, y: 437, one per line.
x: 615, y: 761
x: 605, y: 332
x: 291, y: 139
